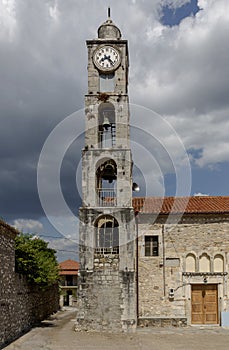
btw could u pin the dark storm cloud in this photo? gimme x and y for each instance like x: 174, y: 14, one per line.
x: 40, y: 85
x: 180, y: 72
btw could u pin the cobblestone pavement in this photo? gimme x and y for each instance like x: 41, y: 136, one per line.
x: 57, y: 334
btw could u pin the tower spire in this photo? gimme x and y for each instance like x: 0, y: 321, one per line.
x: 109, y: 12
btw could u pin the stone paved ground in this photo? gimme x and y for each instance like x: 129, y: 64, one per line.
x: 57, y: 334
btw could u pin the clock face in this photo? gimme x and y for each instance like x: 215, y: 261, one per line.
x: 106, y: 58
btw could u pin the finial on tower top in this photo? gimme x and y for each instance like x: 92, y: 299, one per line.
x: 108, y: 30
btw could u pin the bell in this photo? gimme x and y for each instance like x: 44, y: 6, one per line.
x: 109, y: 173
x: 106, y: 123
x: 135, y: 187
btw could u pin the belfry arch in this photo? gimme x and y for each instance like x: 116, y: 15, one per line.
x: 106, y: 183
x: 107, y: 125
x: 106, y: 235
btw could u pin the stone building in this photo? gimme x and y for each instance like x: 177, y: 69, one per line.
x: 183, y: 252
x: 146, y: 261
x: 107, y: 286
x: 68, y: 271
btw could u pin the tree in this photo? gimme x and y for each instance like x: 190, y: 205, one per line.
x: 34, y: 259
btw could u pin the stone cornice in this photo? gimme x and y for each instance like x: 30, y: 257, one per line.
x: 193, y: 274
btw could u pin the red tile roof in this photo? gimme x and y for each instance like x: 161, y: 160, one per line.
x: 69, y: 267
x: 176, y: 205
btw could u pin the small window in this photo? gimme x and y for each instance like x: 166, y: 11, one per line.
x: 151, y: 246
x: 107, y: 82
x: 69, y: 280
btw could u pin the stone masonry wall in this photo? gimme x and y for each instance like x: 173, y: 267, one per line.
x: 107, y: 282
x: 104, y: 294
x: 198, y: 236
x: 101, y: 296
x: 21, y: 304
x: 25, y: 306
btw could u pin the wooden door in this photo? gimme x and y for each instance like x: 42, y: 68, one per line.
x: 204, y: 304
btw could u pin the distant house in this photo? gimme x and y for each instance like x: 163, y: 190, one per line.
x: 68, y: 282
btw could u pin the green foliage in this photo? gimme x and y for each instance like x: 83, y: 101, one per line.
x: 34, y: 259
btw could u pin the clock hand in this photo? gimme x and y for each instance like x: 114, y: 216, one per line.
x: 110, y: 60
x: 103, y: 58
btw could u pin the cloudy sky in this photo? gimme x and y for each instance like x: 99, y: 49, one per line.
x: 179, y: 93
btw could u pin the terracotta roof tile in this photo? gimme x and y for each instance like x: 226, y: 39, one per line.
x: 69, y: 267
x: 175, y: 205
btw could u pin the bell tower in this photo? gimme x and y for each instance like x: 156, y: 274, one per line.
x: 107, y: 282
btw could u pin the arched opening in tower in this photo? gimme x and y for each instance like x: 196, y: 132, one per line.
x: 106, y: 176
x: 107, y: 126
x: 107, y: 235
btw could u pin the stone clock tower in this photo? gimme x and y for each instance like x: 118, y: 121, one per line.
x: 107, y: 281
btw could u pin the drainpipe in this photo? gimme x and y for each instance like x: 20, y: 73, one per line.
x: 163, y: 255
x: 137, y: 287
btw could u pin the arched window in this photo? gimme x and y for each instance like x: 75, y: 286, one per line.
x: 107, y: 127
x: 218, y: 263
x: 204, y: 265
x: 107, y: 235
x: 190, y: 263
x: 106, y: 175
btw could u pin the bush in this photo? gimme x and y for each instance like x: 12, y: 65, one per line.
x: 34, y: 259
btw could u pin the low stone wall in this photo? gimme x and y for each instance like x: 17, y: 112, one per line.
x: 22, y: 305
x: 25, y: 306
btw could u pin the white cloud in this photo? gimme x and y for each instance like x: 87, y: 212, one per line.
x: 66, y: 225
x: 206, y: 133
x: 54, y: 11
x: 182, y: 73
x: 65, y: 248
x: 7, y: 19
x: 28, y: 225
x: 199, y: 194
